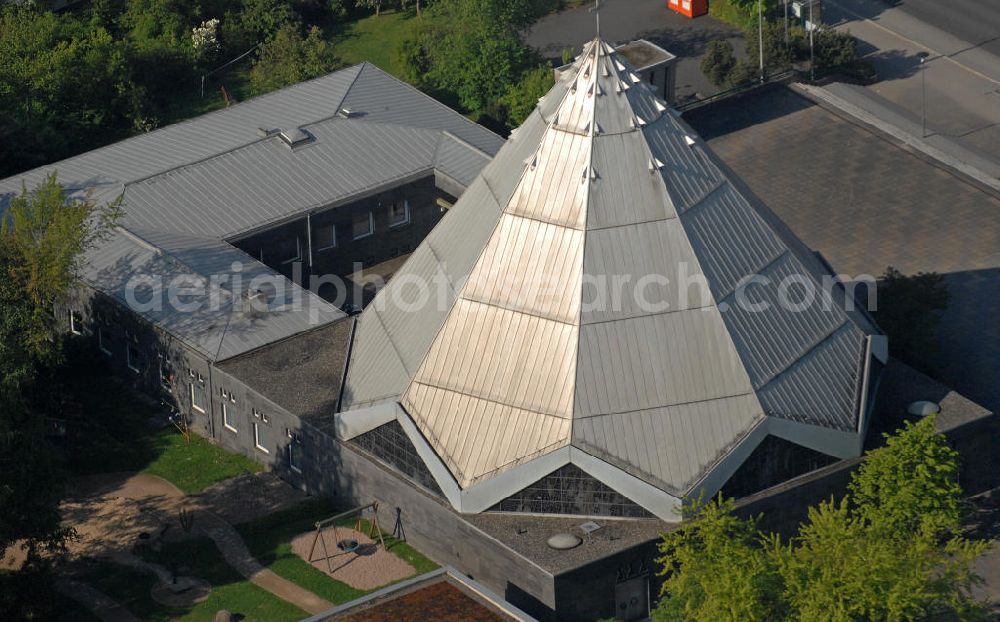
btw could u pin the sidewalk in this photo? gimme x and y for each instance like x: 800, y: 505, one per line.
x: 957, y: 88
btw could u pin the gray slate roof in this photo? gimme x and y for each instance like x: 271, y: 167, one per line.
x: 604, y: 180
x: 187, y: 187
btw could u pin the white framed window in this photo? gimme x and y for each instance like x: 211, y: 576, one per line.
x: 261, y: 437
x: 363, y: 225
x: 104, y: 340
x: 133, y: 358
x: 295, y: 456
x: 229, y: 416
x: 399, y: 213
x: 197, y: 396
x: 289, y: 249
x: 326, y: 237
x: 75, y: 322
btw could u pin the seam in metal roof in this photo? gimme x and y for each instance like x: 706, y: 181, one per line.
x: 509, y: 373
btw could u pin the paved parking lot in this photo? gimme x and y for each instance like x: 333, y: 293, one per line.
x: 626, y: 20
x: 865, y: 203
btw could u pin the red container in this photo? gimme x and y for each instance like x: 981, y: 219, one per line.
x: 689, y: 8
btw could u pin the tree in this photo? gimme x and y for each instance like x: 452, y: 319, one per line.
x: 374, y: 5
x: 64, y: 86
x: 522, y: 97
x: 908, y: 309
x: 288, y: 58
x: 717, y: 567
x: 470, y: 51
x: 911, y: 483
x: 718, y: 62
x: 777, y: 57
x: 892, y: 549
x: 43, y: 236
x: 256, y: 22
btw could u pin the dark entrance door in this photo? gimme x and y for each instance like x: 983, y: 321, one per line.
x: 632, y: 599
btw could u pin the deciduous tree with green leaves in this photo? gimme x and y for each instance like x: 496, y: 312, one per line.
x: 892, y: 549
x: 42, y: 238
x: 289, y: 58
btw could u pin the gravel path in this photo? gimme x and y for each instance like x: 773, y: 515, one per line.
x: 110, y: 511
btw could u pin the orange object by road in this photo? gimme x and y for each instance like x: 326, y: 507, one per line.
x: 689, y: 8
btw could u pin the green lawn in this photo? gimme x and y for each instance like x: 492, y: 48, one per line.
x: 114, y: 435
x: 372, y: 39
x: 193, y: 465
x: 200, y: 558
x: 269, y: 540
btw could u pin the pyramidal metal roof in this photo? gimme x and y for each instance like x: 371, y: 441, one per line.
x: 524, y: 360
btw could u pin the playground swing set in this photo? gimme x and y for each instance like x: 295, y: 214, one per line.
x: 347, y: 545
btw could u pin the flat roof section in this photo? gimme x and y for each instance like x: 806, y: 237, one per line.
x: 302, y: 374
x: 644, y: 54
x: 444, y: 595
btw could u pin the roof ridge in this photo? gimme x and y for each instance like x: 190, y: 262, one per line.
x: 367, y: 64
x: 186, y: 121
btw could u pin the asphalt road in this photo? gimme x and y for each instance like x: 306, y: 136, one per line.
x: 627, y: 20
x: 961, y: 75
x: 975, y: 21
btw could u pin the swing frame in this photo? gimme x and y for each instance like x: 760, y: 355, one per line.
x: 326, y: 523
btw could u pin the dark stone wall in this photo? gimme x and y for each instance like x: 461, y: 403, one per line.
x: 161, y: 366
x: 272, y: 246
x: 432, y: 526
x: 588, y: 592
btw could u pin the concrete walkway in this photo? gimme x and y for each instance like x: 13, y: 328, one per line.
x: 236, y: 554
x: 96, y: 601
x: 961, y: 75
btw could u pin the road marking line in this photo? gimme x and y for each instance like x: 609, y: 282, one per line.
x: 917, y: 43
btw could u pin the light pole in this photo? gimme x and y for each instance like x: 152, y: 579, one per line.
x: 812, y: 56
x: 760, y: 37
x: 923, y: 94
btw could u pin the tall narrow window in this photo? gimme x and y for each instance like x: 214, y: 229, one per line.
x: 104, y: 340
x: 228, y: 416
x: 261, y: 437
x: 363, y: 225
x: 289, y: 250
x: 295, y: 456
x: 75, y: 322
x: 326, y: 237
x: 198, y: 396
x: 399, y: 213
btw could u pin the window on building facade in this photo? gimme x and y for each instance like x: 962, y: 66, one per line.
x: 399, y: 213
x: 363, y: 225
x: 295, y: 456
x: 198, y: 396
x: 326, y: 237
x: 133, y: 358
x: 288, y: 250
x: 105, y: 341
x: 75, y: 322
x: 261, y: 436
x: 229, y: 415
